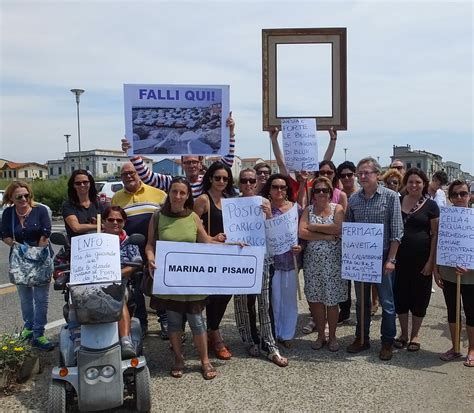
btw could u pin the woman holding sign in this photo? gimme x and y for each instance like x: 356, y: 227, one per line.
x: 324, y: 288
x: 217, y: 183
x: 177, y: 222
x: 284, y: 283
x: 416, y: 257
x: 458, y: 193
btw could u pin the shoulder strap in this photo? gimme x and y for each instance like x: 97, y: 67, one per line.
x: 208, y: 213
x: 13, y: 224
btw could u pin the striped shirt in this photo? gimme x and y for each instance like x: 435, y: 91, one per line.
x: 162, y: 181
x: 382, y: 208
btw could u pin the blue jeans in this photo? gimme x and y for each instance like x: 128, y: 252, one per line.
x: 388, y: 329
x: 34, y: 307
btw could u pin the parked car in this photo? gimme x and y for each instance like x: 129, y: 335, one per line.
x: 106, y: 190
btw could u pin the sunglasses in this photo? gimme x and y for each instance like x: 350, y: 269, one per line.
x: 114, y: 220
x: 321, y: 191
x: 279, y: 187
x: 398, y: 168
x: 219, y: 178
x: 81, y: 183
x: 392, y: 182
x: 129, y: 173
x: 248, y: 181
x: 324, y: 173
x: 263, y: 172
x: 347, y: 175
x: 21, y: 196
x: 462, y: 194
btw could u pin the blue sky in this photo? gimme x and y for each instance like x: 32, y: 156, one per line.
x: 410, y: 68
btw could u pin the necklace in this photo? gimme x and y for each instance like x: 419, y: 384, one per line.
x: 23, y: 215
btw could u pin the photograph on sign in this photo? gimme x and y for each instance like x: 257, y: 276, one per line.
x: 362, y: 252
x: 177, y: 119
x: 300, y: 144
x: 193, y: 268
x: 95, y: 258
x: 244, y: 220
x: 456, y: 237
x: 282, y: 232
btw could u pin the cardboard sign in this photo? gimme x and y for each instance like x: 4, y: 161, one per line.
x: 177, y: 119
x: 456, y: 237
x: 300, y: 144
x: 189, y: 268
x: 95, y: 258
x: 282, y: 232
x: 244, y: 220
x: 362, y: 252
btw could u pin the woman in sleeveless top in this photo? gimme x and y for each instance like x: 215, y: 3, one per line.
x: 177, y: 222
x: 324, y: 288
x: 216, y: 184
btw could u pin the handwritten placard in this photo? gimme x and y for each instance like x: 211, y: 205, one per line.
x: 362, y: 252
x: 95, y: 258
x: 300, y: 144
x: 192, y: 268
x: 282, y: 232
x: 456, y: 237
x: 243, y: 220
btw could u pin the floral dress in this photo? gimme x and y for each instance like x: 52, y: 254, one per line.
x: 322, y: 266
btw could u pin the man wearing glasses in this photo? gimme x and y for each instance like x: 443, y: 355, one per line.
x: 376, y: 204
x: 399, y: 165
x: 192, y: 166
x: 139, y: 201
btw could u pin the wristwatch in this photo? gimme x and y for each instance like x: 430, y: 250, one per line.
x: 392, y: 260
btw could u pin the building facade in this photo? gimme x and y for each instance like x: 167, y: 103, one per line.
x: 427, y: 161
x: 168, y: 166
x: 26, y: 171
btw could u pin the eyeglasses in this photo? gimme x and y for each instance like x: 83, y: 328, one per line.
x: 81, y: 183
x: 21, y: 196
x: 114, y: 220
x: 347, y: 175
x: 248, y: 181
x: 392, y: 182
x: 324, y: 173
x: 219, y: 178
x: 190, y: 163
x: 263, y: 172
x: 279, y: 187
x: 398, y: 168
x: 128, y: 173
x: 365, y: 173
x: 321, y: 190
x: 462, y: 194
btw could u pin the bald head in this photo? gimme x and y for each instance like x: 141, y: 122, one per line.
x: 130, y: 178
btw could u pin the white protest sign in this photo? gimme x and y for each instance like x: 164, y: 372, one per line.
x: 244, y: 220
x: 177, y: 119
x: 193, y: 268
x: 362, y: 252
x: 456, y: 237
x: 282, y: 232
x: 300, y: 145
x: 95, y: 258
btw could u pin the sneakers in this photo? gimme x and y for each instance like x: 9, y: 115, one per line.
x: 310, y: 327
x: 42, y: 343
x: 386, y: 352
x: 357, y: 346
x: 164, y: 330
x: 128, y: 350
x: 26, y: 334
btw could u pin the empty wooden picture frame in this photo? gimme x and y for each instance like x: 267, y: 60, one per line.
x: 336, y: 38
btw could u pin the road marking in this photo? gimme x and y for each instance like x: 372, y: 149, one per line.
x: 54, y: 324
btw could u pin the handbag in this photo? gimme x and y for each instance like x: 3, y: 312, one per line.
x: 29, y: 266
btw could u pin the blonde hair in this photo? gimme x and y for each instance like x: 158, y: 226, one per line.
x: 8, y: 195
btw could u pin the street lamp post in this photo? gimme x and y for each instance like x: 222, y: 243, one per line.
x: 67, y: 141
x: 345, y: 152
x: 78, y: 93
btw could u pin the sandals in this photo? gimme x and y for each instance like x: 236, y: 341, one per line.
x: 310, y: 327
x: 412, y: 346
x: 253, y: 350
x: 222, y: 353
x: 177, y: 372
x: 276, y: 358
x: 333, y: 346
x: 318, y: 344
x: 208, y: 371
x: 469, y: 361
x: 400, y: 342
x: 450, y: 355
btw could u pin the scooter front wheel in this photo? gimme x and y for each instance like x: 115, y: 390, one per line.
x: 142, y: 390
x: 57, y: 397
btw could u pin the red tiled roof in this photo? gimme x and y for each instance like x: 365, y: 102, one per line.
x: 18, y: 165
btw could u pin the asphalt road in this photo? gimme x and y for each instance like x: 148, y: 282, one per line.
x: 314, y: 380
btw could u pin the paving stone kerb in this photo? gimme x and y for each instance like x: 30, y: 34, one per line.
x: 314, y: 380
